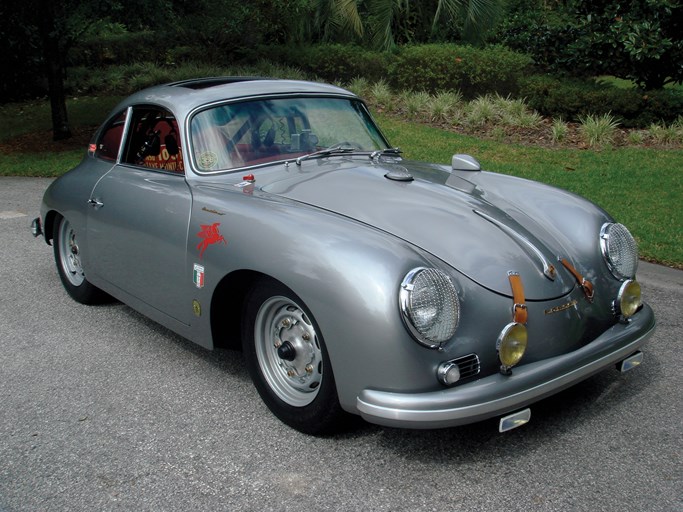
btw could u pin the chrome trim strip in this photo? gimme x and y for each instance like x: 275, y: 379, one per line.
x: 548, y: 269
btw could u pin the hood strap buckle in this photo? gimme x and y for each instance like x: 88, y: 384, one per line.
x: 519, y: 309
x: 584, y: 283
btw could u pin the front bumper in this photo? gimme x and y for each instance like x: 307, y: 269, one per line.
x: 498, y: 394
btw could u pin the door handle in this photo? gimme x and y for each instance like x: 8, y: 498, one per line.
x: 95, y: 203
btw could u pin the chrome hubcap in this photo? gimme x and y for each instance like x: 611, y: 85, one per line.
x: 288, y: 351
x: 69, y: 254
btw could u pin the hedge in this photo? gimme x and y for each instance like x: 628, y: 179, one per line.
x: 571, y: 99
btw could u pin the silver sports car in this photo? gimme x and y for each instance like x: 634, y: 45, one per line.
x: 275, y: 213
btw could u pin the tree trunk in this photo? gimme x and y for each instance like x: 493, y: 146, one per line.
x: 54, y: 68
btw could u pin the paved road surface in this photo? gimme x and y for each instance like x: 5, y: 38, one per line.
x: 101, y: 409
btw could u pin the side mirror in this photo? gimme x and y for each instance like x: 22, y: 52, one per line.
x: 465, y: 163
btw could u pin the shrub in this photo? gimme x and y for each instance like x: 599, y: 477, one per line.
x: 559, y: 130
x: 111, y: 49
x: 665, y: 134
x: 381, y: 94
x: 415, y: 103
x: 472, y: 71
x: 598, y: 131
x: 330, y: 62
x: 636, y: 137
x: 515, y: 112
x: 444, y: 106
x: 481, y: 111
x: 571, y: 99
x: 360, y: 86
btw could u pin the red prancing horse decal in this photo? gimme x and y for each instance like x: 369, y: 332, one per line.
x: 209, y: 235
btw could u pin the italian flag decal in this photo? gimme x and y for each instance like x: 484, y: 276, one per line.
x: 198, y: 276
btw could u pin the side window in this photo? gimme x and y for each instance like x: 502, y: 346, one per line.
x: 153, y: 140
x: 109, y: 142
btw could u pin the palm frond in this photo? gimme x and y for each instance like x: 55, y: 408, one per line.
x: 382, y: 14
x: 334, y: 17
x: 476, y: 16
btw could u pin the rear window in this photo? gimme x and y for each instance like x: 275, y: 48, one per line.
x: 153, y: 140
x: 109, y: 142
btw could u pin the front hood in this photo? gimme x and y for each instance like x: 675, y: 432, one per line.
x: 440, y: 212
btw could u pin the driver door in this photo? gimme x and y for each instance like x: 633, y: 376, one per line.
x: 139, y: 214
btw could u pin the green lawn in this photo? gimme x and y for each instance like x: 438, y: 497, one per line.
x: 642, y: 188
x: 34, y: 116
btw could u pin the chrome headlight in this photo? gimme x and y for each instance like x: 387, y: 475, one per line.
x: 619, y: 250
x: 429, y: 306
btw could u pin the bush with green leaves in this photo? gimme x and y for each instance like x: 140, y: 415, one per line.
x: 542, y: 33
x: 559, y: 130
x: 598, y: 131
x: 473, y: 71
x: 329, y: 62
x: 633, y: 39
x: 667, y: 134
x: 117, y: 48
x: 571, y: 99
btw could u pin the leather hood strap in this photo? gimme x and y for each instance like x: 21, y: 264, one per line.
x: 584, y: 283
x: 519, y: 310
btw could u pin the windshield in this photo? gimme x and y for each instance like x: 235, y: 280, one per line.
x: 262, y: 131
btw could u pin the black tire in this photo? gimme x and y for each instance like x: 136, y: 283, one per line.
x: 71, y: 273
x: 288, y: 362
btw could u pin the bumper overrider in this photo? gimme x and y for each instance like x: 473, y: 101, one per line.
x: 499, y: 394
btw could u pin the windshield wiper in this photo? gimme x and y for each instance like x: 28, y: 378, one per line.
x: 337, y: 149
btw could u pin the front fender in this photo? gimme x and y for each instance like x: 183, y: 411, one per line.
x: 347, y: 273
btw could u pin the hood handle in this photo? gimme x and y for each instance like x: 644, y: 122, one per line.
x: 549, y: 270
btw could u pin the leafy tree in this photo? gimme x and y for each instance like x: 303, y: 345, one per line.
x: 384, y: 23
x: 338, y: 19
x: 19, y: 52
x: 637, y: 40
x: 41, y: 32
x: 235, y: 25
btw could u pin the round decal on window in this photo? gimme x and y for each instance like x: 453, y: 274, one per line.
x: 207, y: 160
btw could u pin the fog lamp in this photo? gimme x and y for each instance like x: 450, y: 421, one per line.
x: 629, y: 299
x: 511, y: 345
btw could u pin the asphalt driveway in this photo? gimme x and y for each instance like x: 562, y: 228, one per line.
x: 102, y: 409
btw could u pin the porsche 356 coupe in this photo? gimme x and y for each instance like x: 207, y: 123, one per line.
x: 275, y: 214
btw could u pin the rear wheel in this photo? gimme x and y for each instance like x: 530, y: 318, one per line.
x: 288, y: 361
x: 69, y: 265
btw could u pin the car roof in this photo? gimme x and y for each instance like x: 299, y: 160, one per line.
x: 184, y: 96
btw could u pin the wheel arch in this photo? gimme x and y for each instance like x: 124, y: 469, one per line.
x: 49, y: 225
x: 226, y: 307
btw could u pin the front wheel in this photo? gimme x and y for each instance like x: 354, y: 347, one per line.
x: 287, y: 360
x: 69, y: 265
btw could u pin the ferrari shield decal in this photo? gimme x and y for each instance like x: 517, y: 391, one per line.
x: 198, y: 276
x: 209, y: 235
